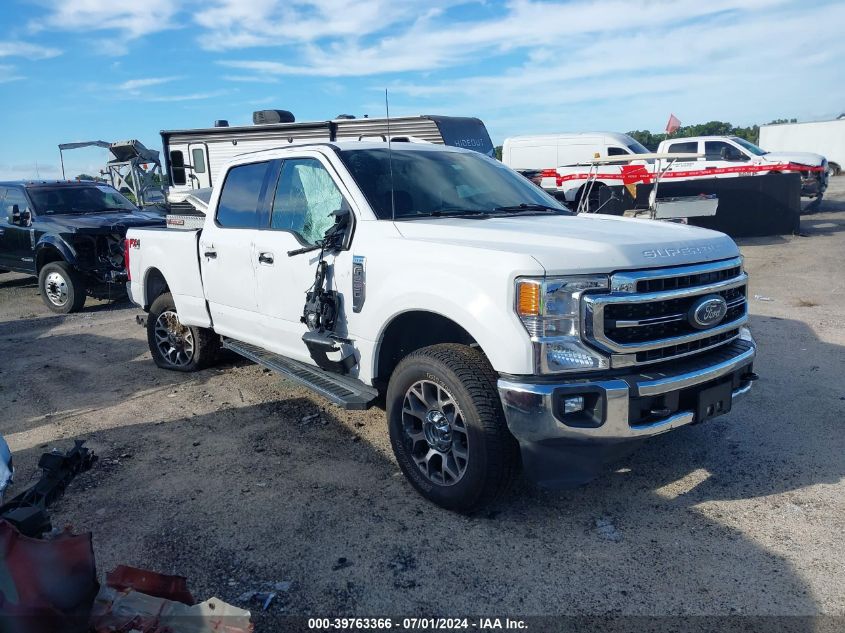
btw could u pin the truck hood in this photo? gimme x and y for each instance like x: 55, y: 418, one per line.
x: 800, y: 158
x: 109, y: 222
x: 579, y: 244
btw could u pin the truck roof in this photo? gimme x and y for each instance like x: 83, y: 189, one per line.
x: 700, y: 138
x: 395, y: 145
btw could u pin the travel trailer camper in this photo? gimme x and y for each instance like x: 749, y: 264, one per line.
x: 194, y: 158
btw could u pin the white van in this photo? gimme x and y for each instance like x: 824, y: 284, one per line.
x: 549, y: 151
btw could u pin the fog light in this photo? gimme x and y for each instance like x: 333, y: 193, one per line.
x: 573, y: 404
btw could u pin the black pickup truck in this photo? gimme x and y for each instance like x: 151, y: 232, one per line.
x: 69, y: 234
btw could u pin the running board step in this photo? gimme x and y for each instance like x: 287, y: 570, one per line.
x: 346, y: 392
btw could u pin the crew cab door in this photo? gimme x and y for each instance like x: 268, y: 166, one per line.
x: 16, y: 251
x: 227, y: 250
x: 301, y: 200
x: 723, y: 154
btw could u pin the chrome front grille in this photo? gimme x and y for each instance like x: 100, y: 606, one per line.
x: 645, y: 317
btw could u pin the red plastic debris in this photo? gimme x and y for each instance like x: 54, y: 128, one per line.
x: 46, y: 586
x: 151, y: 583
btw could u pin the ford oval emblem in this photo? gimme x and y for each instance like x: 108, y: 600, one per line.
x: 707, y: 312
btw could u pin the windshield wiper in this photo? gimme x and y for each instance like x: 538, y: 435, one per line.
x: 531, y: 208
x: 449, y: 212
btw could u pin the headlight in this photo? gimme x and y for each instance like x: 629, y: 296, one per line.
x: 549, y: 308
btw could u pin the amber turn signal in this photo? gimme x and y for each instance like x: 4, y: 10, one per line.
x: 528, y: 298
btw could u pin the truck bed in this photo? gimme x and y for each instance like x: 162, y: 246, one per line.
x: 174, y: 255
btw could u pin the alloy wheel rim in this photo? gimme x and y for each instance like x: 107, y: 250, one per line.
x: 55, y: 286
x: 174, y: 340
x: 435, y: 433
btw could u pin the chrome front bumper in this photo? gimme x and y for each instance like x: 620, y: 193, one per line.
x: 532, y: 409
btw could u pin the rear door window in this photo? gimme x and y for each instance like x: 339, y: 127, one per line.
x: 720, y: 150
x: 240, y: 201
x: 690, y: 147
x: 617, y: 151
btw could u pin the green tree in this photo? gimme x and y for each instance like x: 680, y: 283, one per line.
x: 711, y: 128
x: 498, y: 150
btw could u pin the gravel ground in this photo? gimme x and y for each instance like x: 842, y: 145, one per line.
x: 221, y: 476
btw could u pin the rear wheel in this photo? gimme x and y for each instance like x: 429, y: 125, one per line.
x: 447, y: 427
x: 176, y: 346
x: 594, y: 202
x: 62, y: 288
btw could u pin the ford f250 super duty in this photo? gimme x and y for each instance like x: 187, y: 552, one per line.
x: 69, y: 234
x: 496, y: 328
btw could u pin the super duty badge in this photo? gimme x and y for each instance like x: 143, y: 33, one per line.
x: 359, y: 283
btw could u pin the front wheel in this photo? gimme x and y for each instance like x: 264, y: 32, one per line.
x: 62, y: 288
x: 447, y: 427
x: 176, y: 346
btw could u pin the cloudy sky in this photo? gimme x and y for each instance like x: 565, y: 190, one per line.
x: 108, y: 69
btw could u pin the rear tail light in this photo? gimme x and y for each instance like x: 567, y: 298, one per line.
x: 126, y: 259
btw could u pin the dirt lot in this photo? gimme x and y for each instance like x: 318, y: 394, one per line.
x: 220, y: 477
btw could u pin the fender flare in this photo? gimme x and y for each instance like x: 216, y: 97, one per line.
x: 58, y: 244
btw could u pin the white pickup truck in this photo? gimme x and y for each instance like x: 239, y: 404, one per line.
x: 734, y: 156
x: 496, y: 328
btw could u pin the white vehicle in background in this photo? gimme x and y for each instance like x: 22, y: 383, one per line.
x: 823, y: 137
x: 498, y: 329
x: 731, y: 156
x: 561, y: 163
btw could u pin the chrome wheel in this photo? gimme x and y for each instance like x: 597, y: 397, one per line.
x: 174, y: 340
x: 55, y: 287
x: 435, y: 432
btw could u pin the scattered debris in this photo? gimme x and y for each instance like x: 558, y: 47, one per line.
x: 28, y: 511
x: 117, y: 611
x: 309, y: 418
x: 607, y: 531
x: 762, y: 298
x: 266, y: 594
x: 48, y: 586
x: 342, y: 563
x: 125, y: 578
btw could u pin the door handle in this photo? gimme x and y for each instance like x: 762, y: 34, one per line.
x: 210, y: 253
x: 265, y: 258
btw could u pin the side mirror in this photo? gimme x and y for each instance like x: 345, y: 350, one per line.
x: 336, y: 236
x: 14, y: 215
x: 26, y: 217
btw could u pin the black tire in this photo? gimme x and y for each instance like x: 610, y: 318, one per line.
x: 204, y: 343
x: 595, y: 198
x: 62, y: 288
x: 492, y: 453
